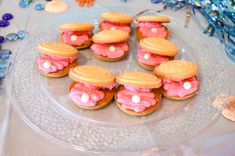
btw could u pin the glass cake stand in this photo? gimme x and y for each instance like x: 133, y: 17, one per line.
x: 44, y: 104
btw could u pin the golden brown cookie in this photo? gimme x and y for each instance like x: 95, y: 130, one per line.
x: 104, y: 58
x: 60, y: 73
x: 147, y: 111
x: 57, y: 49
x: 92, y: 75
x: 139, y: 79
x: 149, y: 67
x: 159, y: 46
x: 83, y: 46
x: 116, y: 17
x: 160, y: 19
x: 140, y: 36
x: 176, y: 70
x: 100, y: 104
x: 177, y: 98
x: 110, y: 36
x: 76, y: 26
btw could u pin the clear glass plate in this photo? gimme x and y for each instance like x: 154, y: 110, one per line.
x: 44, y: 104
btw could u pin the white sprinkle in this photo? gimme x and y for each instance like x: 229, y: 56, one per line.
x: 135, y: 99
x: 74, y: 38
x: 85, y: 97
x: 112, y: 48
x: 147, y: 56
x: 112, y: 28
x: 47, y: 64
x: 154, y: 30
x: 187, y: 85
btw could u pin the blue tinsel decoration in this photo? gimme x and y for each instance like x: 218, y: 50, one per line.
x: 220, y: 15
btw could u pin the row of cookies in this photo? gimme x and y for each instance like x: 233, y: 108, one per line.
x: 112, y: 45
x: 79, y: 34
x: 147, y: 26
x: 108, y: 46
x: 135, y: 93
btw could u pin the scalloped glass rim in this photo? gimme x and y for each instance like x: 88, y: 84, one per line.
x: 126, y: 130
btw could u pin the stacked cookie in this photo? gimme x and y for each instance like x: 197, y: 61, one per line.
x: 152, y: 26
x: 115, y: 21
x: 153, y: 51
x: 77, y: 34
x: 136, y: 93
x: 92, y: 88
x: 111, y: 45
x: 56, y: 59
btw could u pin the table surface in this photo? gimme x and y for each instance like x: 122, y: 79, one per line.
x: 20, y: 140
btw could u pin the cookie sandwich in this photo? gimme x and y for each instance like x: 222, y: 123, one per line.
x: 56, y: 59
x: 77, y: 34
x: 111, y: 45
x: 152, y: 26
x: 92, y: 87
x: 153, y: 51
x: 179, y: 80
x: 115, y: 21
x: 138, y: 93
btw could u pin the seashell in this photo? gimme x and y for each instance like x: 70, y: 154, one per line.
x: 56, y: 6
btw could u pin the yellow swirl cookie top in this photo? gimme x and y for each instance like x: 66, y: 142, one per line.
x: 110, y: 36
x: 92, y: 75
x: 160, y: 19
x: 77, y: 26
x: 176, y: 69
x: 159, y: 46
x: 116, y: 17
x: 139, y: 79
x: 57, y: 49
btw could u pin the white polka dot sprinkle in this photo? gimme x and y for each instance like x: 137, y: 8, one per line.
x: 135, y: 99
x: 187, y: 85
x: 85, y: 97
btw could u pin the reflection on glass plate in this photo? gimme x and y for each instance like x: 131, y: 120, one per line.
x: 44, y: 104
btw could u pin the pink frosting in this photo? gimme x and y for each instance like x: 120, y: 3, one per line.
x: 82, y: 37
x: 106, y: 25
x: 93, y: 92
x: 104, y: 49
x: 154, y: 59
x: 145, y: 29
x: 146, y: 98
x: 176, y: 87
x: 110, y: 87
x: 56, y: 63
